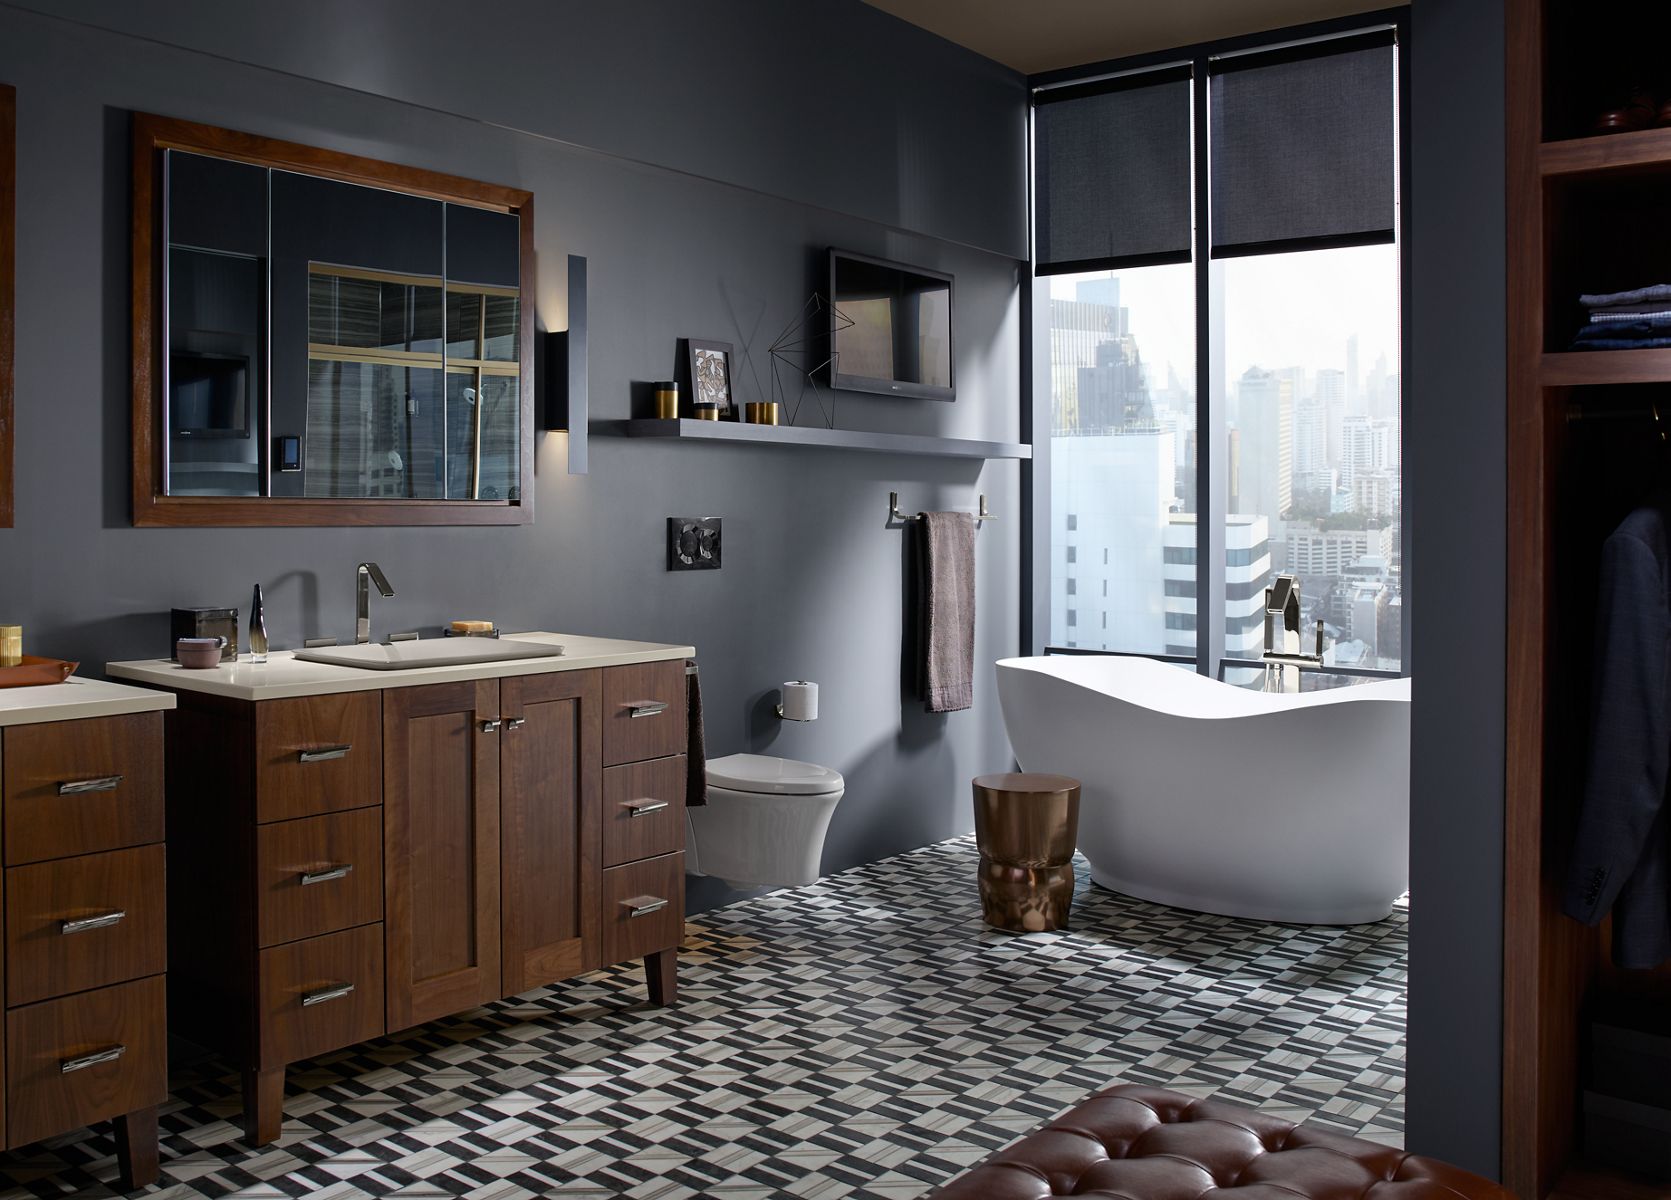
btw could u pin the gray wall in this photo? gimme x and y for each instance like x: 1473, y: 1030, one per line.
x: 1455, y: 487
x: 752, y: 142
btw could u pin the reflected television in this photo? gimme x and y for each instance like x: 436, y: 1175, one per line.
x: 900, y: 340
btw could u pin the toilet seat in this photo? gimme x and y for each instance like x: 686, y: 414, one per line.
x: 764, y: 775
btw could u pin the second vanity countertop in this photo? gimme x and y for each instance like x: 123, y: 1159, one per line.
x: 282, y: 676
x: 75, y: 699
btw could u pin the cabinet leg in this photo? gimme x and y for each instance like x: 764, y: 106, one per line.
x: 263, y: 1105
x: 136, y: 1148
x: 661, y: 975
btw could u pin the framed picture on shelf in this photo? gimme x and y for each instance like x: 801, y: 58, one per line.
x: 710, y: 377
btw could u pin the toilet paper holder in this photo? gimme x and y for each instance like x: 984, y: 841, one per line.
x: 807, y: 700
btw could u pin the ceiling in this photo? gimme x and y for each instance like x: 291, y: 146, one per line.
x: 1041, y: 35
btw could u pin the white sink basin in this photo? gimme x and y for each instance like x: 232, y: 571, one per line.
x: 427, y: 652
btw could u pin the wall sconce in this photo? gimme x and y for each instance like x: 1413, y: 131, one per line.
x: 563, y: 402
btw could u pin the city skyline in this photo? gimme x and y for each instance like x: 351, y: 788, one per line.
x: 1281, y: 310
x: 1311, y: 450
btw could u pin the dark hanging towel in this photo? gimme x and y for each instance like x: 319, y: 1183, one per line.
x: 696, y: 743
x: 1622, y: 855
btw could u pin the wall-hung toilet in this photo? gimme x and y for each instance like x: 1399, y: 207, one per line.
x: 764, y: 823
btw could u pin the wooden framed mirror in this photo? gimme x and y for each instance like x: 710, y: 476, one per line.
x: 8, y: 294
x: 324, y: 339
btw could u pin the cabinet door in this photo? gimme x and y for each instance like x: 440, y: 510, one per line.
x: 550, y: 759
x: 440, y: 849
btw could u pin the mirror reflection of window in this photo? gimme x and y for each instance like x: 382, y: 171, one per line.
x: 389, y: 324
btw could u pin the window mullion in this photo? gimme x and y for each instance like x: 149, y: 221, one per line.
x: 1210, y: 476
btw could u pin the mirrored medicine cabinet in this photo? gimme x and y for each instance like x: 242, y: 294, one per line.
x: 324, y: 339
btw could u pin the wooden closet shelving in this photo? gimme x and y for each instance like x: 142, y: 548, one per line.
x: 1573, y: 209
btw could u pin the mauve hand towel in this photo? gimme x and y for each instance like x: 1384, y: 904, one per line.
x: 946, y: 609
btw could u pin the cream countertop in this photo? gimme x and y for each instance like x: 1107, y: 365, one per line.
x: 75, y: 699
x: 282, y: 676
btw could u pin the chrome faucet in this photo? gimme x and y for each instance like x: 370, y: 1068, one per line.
x: 1282, y: 636
x: 367, y: 571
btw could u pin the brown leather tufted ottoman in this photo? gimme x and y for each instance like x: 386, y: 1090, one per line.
x: 1142, y: 1143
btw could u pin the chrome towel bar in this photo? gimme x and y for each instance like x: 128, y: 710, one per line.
x: 895, y: 515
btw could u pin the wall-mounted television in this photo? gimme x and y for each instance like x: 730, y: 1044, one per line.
x: 900, y: 340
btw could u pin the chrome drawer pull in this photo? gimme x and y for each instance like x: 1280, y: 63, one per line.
x: 108, y: 783
x: 102, y: 920
x: 643, y: 906
x: 334, y: 871
x: 644, y: 807
x: 646, y: 708
x: 324, y: 754
x: 491, y: 726
x: 69, y: 1065
x: 335, y: 992
x: 516, y: 722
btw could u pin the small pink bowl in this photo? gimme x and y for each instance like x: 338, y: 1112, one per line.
x: 198, y: 654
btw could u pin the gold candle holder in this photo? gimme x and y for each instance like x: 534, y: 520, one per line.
x: 760, y: 412
x: 667, y: 401
x: 705, y: 412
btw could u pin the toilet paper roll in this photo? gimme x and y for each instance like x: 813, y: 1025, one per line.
x: 800, y: 701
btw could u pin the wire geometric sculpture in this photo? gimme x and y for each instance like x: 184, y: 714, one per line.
x: 798, y: 341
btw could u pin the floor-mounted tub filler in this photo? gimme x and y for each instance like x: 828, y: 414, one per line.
x: 1275, y: 807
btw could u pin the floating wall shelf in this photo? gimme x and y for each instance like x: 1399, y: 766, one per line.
x: 797, y: 435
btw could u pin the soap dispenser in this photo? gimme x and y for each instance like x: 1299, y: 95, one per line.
x: 257, y: 629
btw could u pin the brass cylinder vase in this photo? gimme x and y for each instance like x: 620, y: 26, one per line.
x: 1026, y: 827
x: 667, y: 400
x: 760, y: 412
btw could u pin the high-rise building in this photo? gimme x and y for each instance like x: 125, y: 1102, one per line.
x: 1364, y: 447
x: 1247, y: 572
x: 1113, y: 495
x: 1375, y: 494
x: 1265, y: 418
x: 1311, y: 439
x: 1354, y: 381
x: 1331, y: 394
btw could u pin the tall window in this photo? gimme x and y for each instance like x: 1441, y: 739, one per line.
x: 1217, y: 295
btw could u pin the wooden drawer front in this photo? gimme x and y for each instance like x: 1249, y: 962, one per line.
x: 636, y: 888
x: 643, y: 810
x: 318, y: 754
x: 78, y: 787
x: 84, y: 922
x: 656, y: 692
x: 318, y: 875
x: 321, y: 994
x: 84, y: 1033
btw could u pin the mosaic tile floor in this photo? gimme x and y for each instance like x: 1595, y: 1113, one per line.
x: 863, y: 1037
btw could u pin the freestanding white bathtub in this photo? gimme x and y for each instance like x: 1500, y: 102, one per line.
x: 1199, y: 794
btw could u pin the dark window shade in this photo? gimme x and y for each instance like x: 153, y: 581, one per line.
x: 1302, y: 146
x: 1111, y: 183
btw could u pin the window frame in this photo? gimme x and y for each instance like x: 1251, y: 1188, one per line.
x: 1210, y: 658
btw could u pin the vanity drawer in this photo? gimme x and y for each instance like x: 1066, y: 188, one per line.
x: 643, y: 907
x: 318, y: 754
x: 318, y: 875
x: 320, y: 994
x: 78, y: 787
x: 84, y: 1058
x: 655, y: 692
x: 85, y: 922
x: 643, y: 810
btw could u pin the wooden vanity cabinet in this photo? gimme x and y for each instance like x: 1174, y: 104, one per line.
x: 350, y: 865
x: 84, y: 1034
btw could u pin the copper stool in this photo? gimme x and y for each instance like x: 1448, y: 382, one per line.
x: 1026, y: 827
